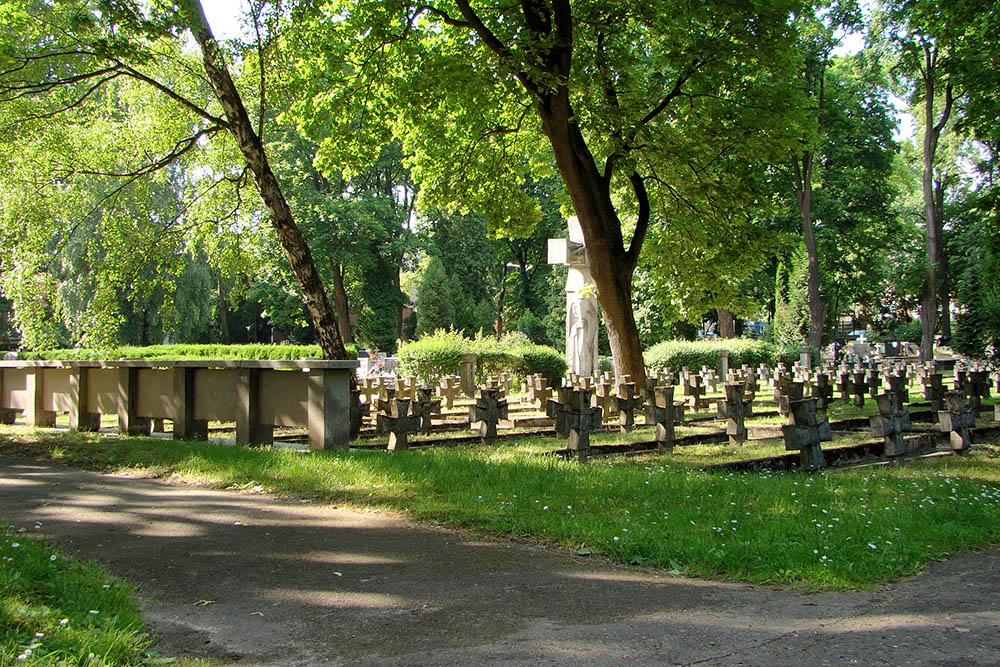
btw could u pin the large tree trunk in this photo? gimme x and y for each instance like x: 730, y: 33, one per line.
x: 944, y: 287
x: 932, y: 225
x: 727, y: 324
x: 343, y: 304
x: 611, y: 265
x: 295, y: 249
x: 803, y: 195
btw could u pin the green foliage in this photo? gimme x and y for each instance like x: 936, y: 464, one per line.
x: 532, y: 327
x: 791, y: 299
x: 905, y: 331
x: 181, y: 352
x: 975, y: 266
x: 58, y: 611
x: 433, y: 356
x: 673, y: 355
x: 435, y: 299
x: 440, y: 354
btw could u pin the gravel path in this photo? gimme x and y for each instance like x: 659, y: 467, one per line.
x: 263, y: 581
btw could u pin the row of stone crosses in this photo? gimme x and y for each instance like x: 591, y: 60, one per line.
x: 802, y: 394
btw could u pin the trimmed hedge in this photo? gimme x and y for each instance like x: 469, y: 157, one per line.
x: 440, y: 354
x: 673, y: 355
x: 186, y: 352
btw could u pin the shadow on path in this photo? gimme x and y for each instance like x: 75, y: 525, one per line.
x: 307, y: 584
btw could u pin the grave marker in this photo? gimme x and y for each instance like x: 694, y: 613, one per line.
x: 576, y: 416
x: 956, y: 420
x: 660, y: 413
x: 397, y: 422
x: 735, y: 408
x: 489, y: 409
x: 891, y: 424
x: 805, y: 432
x: 627, y: 402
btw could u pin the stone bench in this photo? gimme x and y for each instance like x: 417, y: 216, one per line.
x: 257, y: 395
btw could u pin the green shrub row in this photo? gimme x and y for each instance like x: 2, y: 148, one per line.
x: 180, y: 352
x: 673, y: 355
x: 440, y: 353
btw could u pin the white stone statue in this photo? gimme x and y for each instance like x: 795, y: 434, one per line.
x: 582, y: 309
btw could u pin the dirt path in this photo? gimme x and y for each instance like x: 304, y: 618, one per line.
x: 305, y: 584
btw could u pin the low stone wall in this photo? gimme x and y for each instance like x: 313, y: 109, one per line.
x: 257, y: 395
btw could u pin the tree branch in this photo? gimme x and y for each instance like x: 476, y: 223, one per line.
x: 174, y: 95
x: 642, y: 219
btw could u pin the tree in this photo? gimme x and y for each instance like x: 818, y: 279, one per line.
x: 97, y: 43
x: 649, y: 111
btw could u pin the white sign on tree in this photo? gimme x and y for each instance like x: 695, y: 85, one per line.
x: 582, y: 319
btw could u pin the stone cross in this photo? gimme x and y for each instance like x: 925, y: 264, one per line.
x: 494, y: 382
x: 891, y: 423
x: 805, y: 432
x: 582, y: 310
x: 369, y: 388
x: 539, y: 391
x: 627, y: 402
x: 822, y: 391
x: 659, y: 411
x: 934, y: 391
x: 899, y: 386
x: 979, y: 382
x: 425, y: 407
x: 694, y: 388
x: 397, y: 422
x: 575, y: 416
x: 859, y: 387
x: 404, y: 389
x: 735, y: 428
x: 489, y: 409
x: 844, y: 385
x: 604, y: 398
x: 449, y: 387
x: 960, y: 377
x: 788, y: 391
x: 956, y: 420
x: 874, y: 382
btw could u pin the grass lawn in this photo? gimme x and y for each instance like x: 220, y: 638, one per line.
x: 57, y: 611
x: 843, y: 529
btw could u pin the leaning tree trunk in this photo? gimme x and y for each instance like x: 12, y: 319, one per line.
x: 611, y: 264
x: 944, y: 287
x: 292, y: 243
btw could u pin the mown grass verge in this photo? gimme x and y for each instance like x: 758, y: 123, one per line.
x: 59, y: 611
x: 845, y: 529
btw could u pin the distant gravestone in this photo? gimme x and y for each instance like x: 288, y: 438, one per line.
x: 859, y: 386
x: 788, y: 391
x: 898, y: 385
x: 576, y: 417
x: 805, y: 432
x: 449, y: 387
x: 627, y: 402
x: 822, y: 391
x: 539, y: 391
x: 891, y: 424
x: 844, y: 385
x: 873, y: 380
x: 934, y: 391
x: 735, y: 427
x: 425, y: 407
x: 694, y: 388
x: 395, y: 419
x: 489, y: 409
x: 659, y: 411
x: 957, y: 420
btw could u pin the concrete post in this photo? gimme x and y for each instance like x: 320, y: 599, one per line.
x: 130, y: 423
x: 805, y: 357
x: 186, y: 427
x: 36, y: 414
x: 468, y: 375
x: 7, y: 416
x: 248, y: 430
x: 723, y: 365
x: 329, y: 409
x: 80, y: 418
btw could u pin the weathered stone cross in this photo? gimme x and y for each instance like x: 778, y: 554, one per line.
x: 891, y: 424
x: 822, y: 391
x: 805, y: 432
x: 425, y: 407
x: 788, y: 391
x: 397, y: 422
x: 693, y: 387
x: 627, y: 402
x: 660, y: 413
x: 934, y: 391
x: 488, y: 410
x: 735, y: 428
x: 859, y: 387
x: 575, y: 417
x: 956, y: 420
x: 449, y: 387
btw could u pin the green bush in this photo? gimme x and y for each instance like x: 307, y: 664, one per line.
x: 187, y: 352
x: 433, y: 356
x: 673, y: 355
x: 541, y: 359
x: 440, y: 354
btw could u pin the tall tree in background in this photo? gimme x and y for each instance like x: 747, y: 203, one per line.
x: 59, y: 56
x: 651, y: 111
